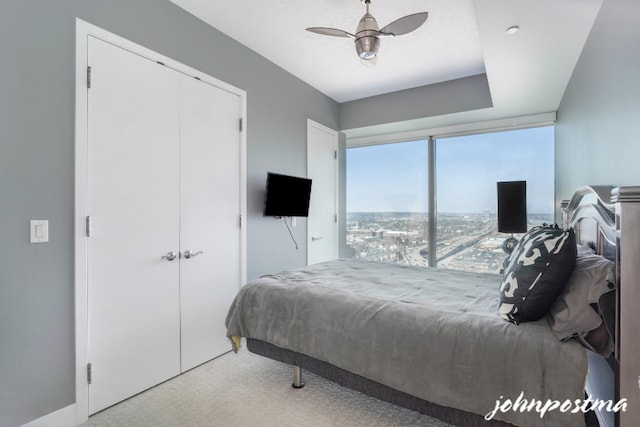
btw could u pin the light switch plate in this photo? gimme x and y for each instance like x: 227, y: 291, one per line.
x: 39, y: 230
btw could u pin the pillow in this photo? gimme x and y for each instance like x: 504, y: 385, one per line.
x: 585, y: 249
x: 573, y: 314
x: 537, y: 271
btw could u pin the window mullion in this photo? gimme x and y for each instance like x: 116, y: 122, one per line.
x: 432, y: 231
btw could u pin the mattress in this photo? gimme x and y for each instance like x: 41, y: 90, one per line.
x: 431, y: 333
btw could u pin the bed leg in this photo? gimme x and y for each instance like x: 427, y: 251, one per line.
x: 297, y: 377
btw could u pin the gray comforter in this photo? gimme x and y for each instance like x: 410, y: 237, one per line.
x: 431, y: 333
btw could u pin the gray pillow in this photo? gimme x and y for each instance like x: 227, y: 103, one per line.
x: 537, y: 272
x: 585, y: 249
x: 572, y: 313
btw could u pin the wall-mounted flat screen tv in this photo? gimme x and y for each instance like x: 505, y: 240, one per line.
x: 286, y: 195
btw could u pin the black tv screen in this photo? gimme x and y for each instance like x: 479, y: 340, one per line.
x: 286, y: 195
x: 512, y: 206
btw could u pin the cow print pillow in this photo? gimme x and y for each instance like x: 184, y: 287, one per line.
x: 537, y: 271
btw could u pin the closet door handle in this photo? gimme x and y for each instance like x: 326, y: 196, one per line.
x: 170, y: 256
x: 188, y: 254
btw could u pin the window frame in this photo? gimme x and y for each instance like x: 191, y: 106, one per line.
x: 432, y: 136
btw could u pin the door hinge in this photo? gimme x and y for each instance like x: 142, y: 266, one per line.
x: 88, y: 77
x: 87, y: 225
x: 241, y: 125
x: 88, y: 373
x: 240, y: 220
x: 335, y: 218
x: 335, y: 154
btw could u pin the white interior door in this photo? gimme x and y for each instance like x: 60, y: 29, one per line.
x: 133, y: 295
x: 209, y: 217
x: 322, y: 168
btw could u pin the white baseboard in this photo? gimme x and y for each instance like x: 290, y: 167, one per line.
x: 65, y: 417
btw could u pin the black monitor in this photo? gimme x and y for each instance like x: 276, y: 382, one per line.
x: 287, y: 195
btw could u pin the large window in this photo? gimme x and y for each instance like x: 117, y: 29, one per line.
x: 387, y: 196
x: 468, y: 169
x: 387, y: 202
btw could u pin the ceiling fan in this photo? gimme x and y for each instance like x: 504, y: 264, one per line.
x: 367, y: 35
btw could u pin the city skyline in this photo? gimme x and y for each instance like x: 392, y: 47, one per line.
x: 465, y: 242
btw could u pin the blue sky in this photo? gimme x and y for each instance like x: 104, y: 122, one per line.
x: 393, y: 177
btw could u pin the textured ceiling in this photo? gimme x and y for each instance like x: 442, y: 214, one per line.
x: 446, y: 47
x: 527, y: 72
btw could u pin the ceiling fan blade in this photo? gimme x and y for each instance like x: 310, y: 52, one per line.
x: 330, y: 32
x: 405, y: 25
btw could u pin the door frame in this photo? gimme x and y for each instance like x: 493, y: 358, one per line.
x: 334, y: 133
x: 84, y: 30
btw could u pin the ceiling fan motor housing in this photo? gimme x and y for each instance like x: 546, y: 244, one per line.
x: 367, y: 41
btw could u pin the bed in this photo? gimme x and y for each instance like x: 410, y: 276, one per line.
x: 436, y: 341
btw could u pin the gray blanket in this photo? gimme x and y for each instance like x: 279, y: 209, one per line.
x: 431, y: 333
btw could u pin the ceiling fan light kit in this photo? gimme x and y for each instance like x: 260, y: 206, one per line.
x: 367, y: 36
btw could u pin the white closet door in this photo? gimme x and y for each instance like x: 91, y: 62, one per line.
x: 133, y: 184
x: 209, y: 217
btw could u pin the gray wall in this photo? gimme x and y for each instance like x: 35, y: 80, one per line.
x: 453, y: 96
x: 37, y: 47
x: 596, y: 133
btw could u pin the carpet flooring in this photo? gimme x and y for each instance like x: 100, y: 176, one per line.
x: 248, y: 390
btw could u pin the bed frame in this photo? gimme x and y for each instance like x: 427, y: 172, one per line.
x: 600, y: 216
x: 608, y: 217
